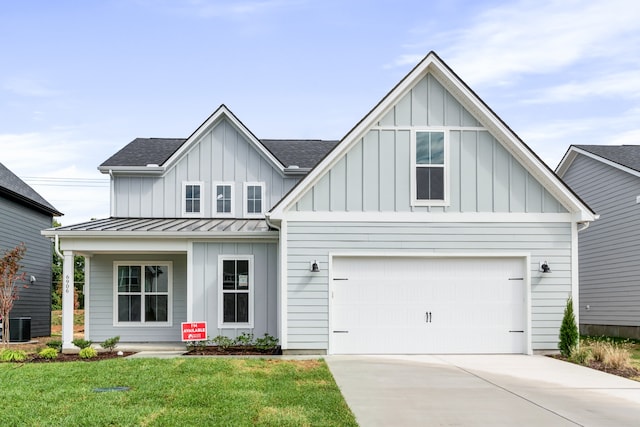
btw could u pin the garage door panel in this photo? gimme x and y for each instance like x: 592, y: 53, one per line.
x: 427, y: 305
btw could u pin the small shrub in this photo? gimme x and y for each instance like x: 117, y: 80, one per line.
x: 244, y: 339
x: 196, y: 345
x: 581, y: 355
x: 222, y: 342
x: 82, y: 343
x: 9, y: 355
x: 569, y: 335
x: 266, y: 343
x: 110, y: 343
x: 599, y: 350
x: 48, y: 353
x: 57, y: 344
x: 618, y: 358
x: 88, y: 353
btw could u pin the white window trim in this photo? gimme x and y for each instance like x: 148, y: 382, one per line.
x: 447, y: 166
x: 245, y: 200
x: 221, y: 323
x: 142, y: 323
x: 184, y: 199
x: 215, y: 200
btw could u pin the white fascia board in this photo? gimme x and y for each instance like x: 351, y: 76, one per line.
x: 132, y: 170
x: 566, y: 161
x: 162, y: 235
x: 426, y: 217
x: 223, y: 112
x: 573, y: 153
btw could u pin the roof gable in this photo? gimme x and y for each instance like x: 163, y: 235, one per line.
x: 623, y: 157
x: 470, y: 102
x: 13, y: 187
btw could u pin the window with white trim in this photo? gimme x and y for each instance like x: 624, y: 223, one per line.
x: 253, y: 199
x: 429, y: 182
x: 223, y: 204
x: 143, y: 293
x: 235, y: 297
x: 192, y: 198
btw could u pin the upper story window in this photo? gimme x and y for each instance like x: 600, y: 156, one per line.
x: 192, y: 198
x: 429, y: 182
x: 224, y: 199
x: 253, y: 199
x: 143, y: 293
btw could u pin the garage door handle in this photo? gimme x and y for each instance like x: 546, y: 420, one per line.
x: 521, y: 332
x: 340, y: 332
x: 427, y: 317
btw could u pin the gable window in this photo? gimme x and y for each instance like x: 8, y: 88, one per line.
x: 143, y: 293
x: 235, y: 281
x: 253, y: 199
x: 192, y: 199
x: 429, y: 158
x: 224, y: 198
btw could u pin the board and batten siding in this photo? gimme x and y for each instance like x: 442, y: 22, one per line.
x: 206, y: 288
x: 308, y: 293
x: 21, y: 224
x: 101, y: 295
x: 375, y: 175
x: 222, y: 154
x: 609, y: 252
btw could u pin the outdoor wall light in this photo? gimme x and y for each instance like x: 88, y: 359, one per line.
x: 32, y: 279
x: 544, y: 267
x: 314, y: 267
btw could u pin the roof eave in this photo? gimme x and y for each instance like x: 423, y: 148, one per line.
x: 258, y: 235
x: 132, y: 170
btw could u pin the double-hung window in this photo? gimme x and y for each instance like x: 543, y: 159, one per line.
x: 143, y: 293
x: 235, y: 296
x: 192, y: 199
x: 253, y: 199
x: 223, y: 195
x: 429, y: 176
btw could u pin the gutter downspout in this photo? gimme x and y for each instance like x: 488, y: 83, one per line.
x: 282, y: 281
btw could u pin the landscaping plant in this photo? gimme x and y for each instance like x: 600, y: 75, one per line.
x: 569, y: 335
x: 48, y: 353
x: 10, y: 355
x: 110, y: 344
x: 9, y: 279
x: 82, y: 343
x: 88, y: 353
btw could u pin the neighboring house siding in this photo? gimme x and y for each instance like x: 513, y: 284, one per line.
x: 221, y: 155
x: 101, y: 295
x: 308, y: 293
x: 205, y: 285
x: 609, y: 255
x: 22, y: 224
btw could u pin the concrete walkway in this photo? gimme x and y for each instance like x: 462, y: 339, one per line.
x: 485, y: 390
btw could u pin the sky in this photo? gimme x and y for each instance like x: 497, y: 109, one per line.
x: 81, y: 79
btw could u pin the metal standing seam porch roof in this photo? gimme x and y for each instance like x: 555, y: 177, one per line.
x: 169, y: 227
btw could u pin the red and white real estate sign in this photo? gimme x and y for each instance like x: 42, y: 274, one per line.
x: 194, y: 331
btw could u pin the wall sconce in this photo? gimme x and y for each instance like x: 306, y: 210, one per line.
x: 32, y: 279
x: 314, y: 267
x: 544, y: 267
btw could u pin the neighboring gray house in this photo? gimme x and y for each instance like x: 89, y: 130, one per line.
x: 423, y: 230
x: 607, y: 177
x: 23, y: 214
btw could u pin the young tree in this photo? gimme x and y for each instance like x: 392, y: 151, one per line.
x: 569, y: 335
x: 9, y: 278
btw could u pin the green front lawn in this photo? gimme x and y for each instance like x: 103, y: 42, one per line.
x: 172, y: 392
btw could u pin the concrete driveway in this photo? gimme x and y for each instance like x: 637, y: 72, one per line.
x: 482, y: 390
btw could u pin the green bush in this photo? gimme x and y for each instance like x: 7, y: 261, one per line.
x: 266, y: 343
x: 9, y: 355
x: 222, y: 342
x: 87, y: 353
x: 197, y: 345
x: 48, y: 353
x: 581, y: 355
x: 111, y: 343
x: 82, y: 343
x: 569, y: 336
x: 244, y: 339
x: 57, y: 344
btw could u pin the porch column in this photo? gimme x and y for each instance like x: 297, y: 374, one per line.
x: 68, y: 288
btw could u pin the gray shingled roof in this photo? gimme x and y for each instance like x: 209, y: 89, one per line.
x: 303, y: 153
x: 143, y: 151
x: 13, y: 187
x: 625, y: 155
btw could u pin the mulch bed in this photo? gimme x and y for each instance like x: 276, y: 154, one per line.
x: 626, y: 372
x: 240, y: 350
x: 62, y: 357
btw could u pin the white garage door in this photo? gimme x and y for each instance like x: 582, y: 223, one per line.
x: 391, y: 305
